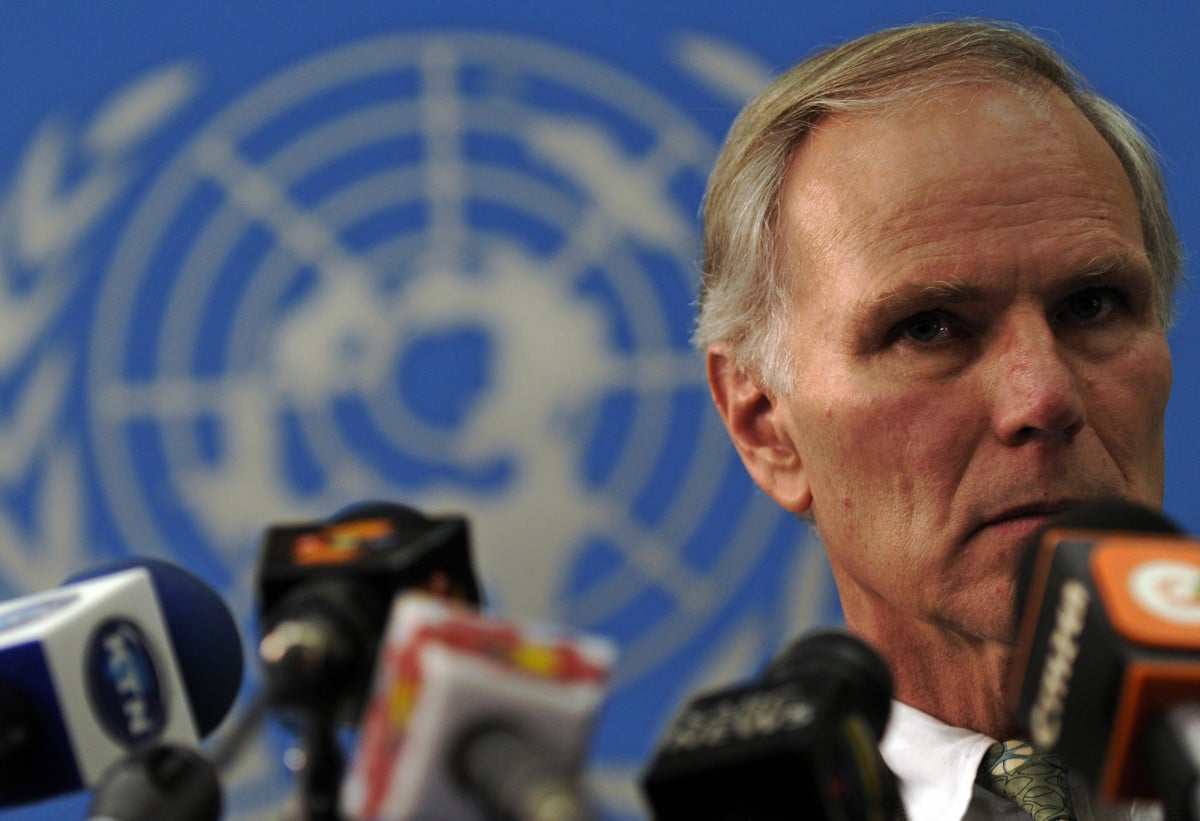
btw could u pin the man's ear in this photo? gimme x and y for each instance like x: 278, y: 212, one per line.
x: 757, y: 427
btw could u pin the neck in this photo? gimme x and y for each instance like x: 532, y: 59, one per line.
x: 958, y: 679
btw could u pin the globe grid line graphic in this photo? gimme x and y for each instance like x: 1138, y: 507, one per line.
x: 160, y: 390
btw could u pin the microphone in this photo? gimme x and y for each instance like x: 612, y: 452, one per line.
x: 324, y: 589
x: 1106, y: 667
x: 473, y: 718
x: 804, y: 740
x: 130, y: 654
x: 156, y: 782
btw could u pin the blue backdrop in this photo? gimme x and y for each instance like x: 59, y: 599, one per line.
x: 259, y: 260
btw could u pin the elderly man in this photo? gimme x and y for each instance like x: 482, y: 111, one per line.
x: 938, y: 277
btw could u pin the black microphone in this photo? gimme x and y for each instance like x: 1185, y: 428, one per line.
x: 131, y: 654
x: 514, y: 776
x: 163, y: 781
x: 802, y: 741
x: 1106, y: 668
x: 324, y: 590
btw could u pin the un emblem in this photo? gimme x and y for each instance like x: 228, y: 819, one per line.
x: 456, y: 271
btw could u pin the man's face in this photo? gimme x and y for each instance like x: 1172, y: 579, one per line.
x: 977, y: 345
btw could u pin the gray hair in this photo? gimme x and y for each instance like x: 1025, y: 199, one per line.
x: 744, y: 295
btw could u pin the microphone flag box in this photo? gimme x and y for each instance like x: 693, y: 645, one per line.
x: 383, y: 548
x: 444, y: 670
x: 1110, y: 638
x: 89, y: 666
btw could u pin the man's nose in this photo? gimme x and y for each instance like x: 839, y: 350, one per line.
x: 1036, y: 393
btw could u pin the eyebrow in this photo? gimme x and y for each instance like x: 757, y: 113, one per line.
x: 910, y: 296
x: 913, y: 296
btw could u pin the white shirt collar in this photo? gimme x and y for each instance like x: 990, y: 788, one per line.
x: 935, y: 763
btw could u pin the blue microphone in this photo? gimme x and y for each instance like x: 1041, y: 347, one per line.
x: 121, y: 657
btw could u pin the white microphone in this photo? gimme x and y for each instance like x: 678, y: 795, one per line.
x: 138, y: 653
x: 470, y: 718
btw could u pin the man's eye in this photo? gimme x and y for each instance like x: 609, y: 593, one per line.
x: 1090, y: 305
x: 925, y: 327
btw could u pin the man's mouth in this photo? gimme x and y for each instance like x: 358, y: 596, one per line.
x: 1023, y: 520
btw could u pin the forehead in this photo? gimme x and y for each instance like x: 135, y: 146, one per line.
x: 988, y: 161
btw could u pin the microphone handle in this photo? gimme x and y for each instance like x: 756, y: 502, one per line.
x: 228, y: 747
x: 514, y: 778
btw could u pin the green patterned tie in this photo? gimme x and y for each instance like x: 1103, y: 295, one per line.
x: 1036, y: 781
